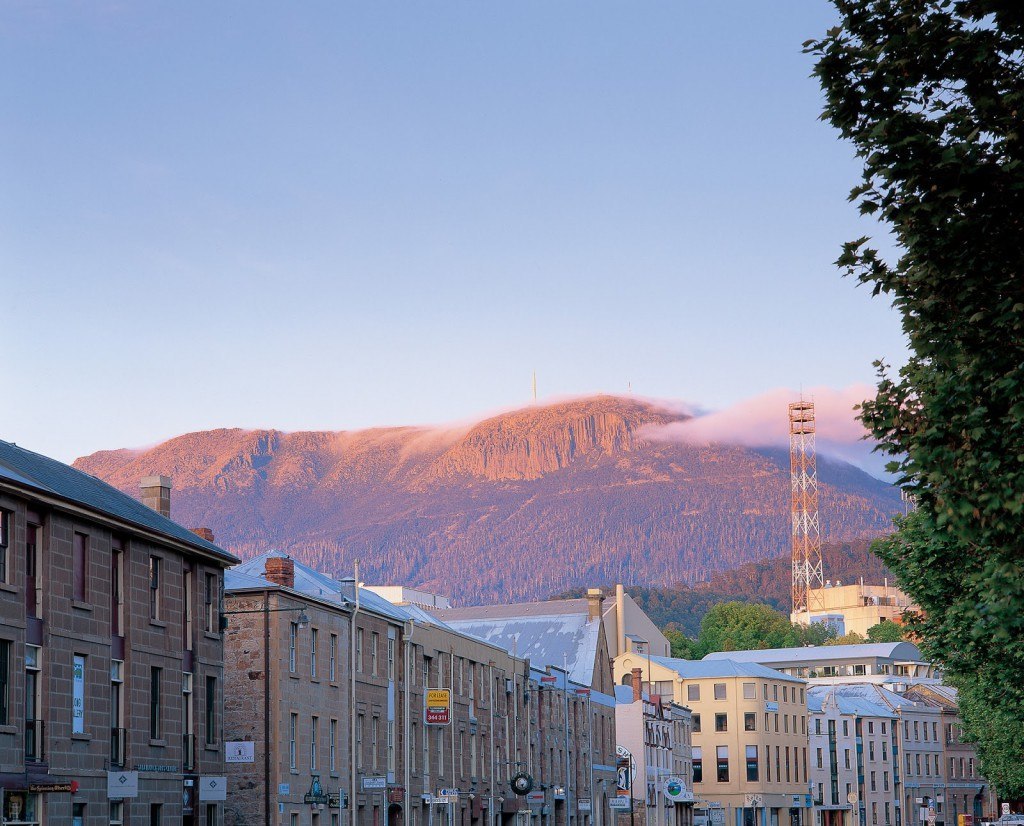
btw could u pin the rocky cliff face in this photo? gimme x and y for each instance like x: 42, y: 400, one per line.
x: 481, y: 511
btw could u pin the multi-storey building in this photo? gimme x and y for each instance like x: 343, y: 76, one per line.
x: 882, y: 663
x: 655, y: 734
x: 854, y: 608
x: 749, y: 735
x: 397, y: 753
x: 966, y: 791
x: 854, y: 766
x: 111, y: 656
x: 572, y: 703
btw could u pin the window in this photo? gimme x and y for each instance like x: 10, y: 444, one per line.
x: 698, y: 765
x: 749, y: 691
x: 5, y: 682
x: 817, y: 725
x: 211, y: 814
x: 334, y: 657
x: 211, y: 619
x: 293, y: 638
x: 391, y: 743
x: 752, y: 773
x: 359, y: 740
x: 77, y: 814
x: 785, y: 694
x: 775, y: 692
x: 211, y: 711
x: 374, y: 646
x: 846, y: 728
x: 333, y: 734
x: 313, y: 634
x: 80, y: 563
x: 871, y: 727
x: 155, y: 566
x: 391, y: 659
x: 116, y: 813
x: 723, y: 764
x: 5, y: 542
x: 846, y: 758
x: 749, y: 721
x: 787, y: 764
x: 155, y: 814
x: 719, y: 691
x: 374, y: 740
x: 155, y: 675
x: 78, y: 694
x: 359, y: 649
x: 721, y: 722
x: 293, y: 746
x: 33, y: 568
x: 313, y: 726
x: 33, y: 703
x: 696, y: 722
x: 885, y: 781
x: 693, y: 692
x: 874, y: 784
x: 818, y: 757
x: 768, y: 763
x: 935, y: 731
x: 871, y: 746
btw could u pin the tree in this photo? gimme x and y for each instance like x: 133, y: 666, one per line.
x: 849, y: 638
x: 738, y: 626
x: 683, y: 647
x: 887, y: 631
x: 930, y: 92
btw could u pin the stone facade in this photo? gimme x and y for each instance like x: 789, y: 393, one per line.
x: 94, y: 651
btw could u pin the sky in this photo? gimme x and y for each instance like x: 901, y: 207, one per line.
x: 341, y: 215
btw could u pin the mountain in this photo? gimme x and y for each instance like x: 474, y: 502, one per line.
x: 766, y: 581
x: 513, y: 507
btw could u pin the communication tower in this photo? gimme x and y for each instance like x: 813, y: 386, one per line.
x: 807, y: 573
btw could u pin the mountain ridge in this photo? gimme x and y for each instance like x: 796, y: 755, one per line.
x: 479, y: 510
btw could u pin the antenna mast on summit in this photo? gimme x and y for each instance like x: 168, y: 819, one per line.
x: 535, y: 385
x: 807, y: 570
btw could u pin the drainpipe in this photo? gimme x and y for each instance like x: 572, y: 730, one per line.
x: 410, y: 626
x: 266, y: 707
x: 352, y: 700
x: 620, y: 618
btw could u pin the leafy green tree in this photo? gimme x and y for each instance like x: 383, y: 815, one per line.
x: 887, y: 631
x: 737, y: 626
x: 682, y: 646
x: 849, y: 638
x: 931, y: 94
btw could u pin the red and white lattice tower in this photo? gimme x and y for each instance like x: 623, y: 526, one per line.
x: 807, y: 573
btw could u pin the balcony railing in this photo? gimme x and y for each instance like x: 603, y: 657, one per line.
x: 118, y: 747
x: 188, y: 751
x: 35, y: 739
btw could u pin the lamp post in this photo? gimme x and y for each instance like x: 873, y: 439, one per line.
x: 303, y: 621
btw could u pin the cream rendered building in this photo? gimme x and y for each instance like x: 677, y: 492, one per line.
x: 749, y: 736
x: 854, y: 608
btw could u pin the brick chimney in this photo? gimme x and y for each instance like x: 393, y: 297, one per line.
x: 156, y: 494
x: 595, y: 603
x: 638, y: 684
x: 280, y: 570
x: 204, y: 533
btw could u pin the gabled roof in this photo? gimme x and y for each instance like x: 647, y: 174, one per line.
x: 701, y: 669
x: 311, y: 583
x: 860, y: 703
x: 556, y: 633
x: 33, y: 471
x: 902, y: 651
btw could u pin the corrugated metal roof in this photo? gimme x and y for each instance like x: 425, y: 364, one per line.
x: 33, y: 470
x: 557, y: 638
x: 700, y: 669
x: 861, y: 703
x: 903, y: 651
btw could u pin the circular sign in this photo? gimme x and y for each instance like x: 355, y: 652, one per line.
x: 675, y: 790
x: 522, y: 783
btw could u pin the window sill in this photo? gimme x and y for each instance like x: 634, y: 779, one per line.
x: 210, y: 747
x: 159, y: 623
x: 5, y: 729
x: 211, y: 635
x: 158, y: 743
x: 293, y: 675
x: 81, y: 606
x: 315, y: 680
x: 81, y: 735
x: 10, y: 589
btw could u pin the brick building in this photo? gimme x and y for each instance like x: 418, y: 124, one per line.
x: 111, y: 659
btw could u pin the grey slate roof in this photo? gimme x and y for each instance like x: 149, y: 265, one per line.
x: 699, y: 669
x: 822, y: 653
x: 556, y: 633
x: 313, y: 583
x: 861, y: 703
x: 37, y: 472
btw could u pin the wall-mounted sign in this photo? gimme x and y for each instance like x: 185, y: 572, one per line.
x: 243, y: 751
x: 48, y: 788
x: 583, y: 804
x: 213, y: 788
x: 618, y: 802
x: 625, y: 771
x: 121, y: 785
x: 771, y: 706
x: 375, y: 782
x: 676, y: 791
x: 316, y: 794
x: 437, y: 709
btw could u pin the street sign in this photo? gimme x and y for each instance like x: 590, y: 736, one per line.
x: 375, y: 782
x: 583, y: 804
x: 618, y: 803
x: 122, y: 785
x: 437, y: 709
x: 535, y: 798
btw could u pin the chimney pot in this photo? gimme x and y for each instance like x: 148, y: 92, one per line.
x: 156, y: 494
x: 205, y: 533
x: 638, y: 678
x: 280, y: 570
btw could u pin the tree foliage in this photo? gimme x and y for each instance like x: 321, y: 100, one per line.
x: 887, y: 631
x: 931, y: 94
x: 739, y: 626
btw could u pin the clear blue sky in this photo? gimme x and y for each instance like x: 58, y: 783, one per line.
x: 338, y: 215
